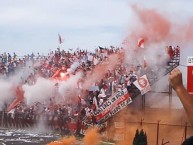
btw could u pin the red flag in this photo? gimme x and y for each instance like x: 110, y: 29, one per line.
x: 19, y: 97
x: 141, y: 43
x: 60, y: 40
x: 56, y: 74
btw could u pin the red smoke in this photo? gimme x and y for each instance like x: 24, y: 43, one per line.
x: 189, y: 28
x: 65, y: 141
x: 19, y: 93
x: 68, y: 141
x: 155, y: 27
x: 100, y: 70
x: 92, y: 137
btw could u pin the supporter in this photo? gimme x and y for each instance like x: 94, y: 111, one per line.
x: 5, y: 58
x: 14, y: 57
x: 175, y: 79
x: 171, y: 52
x: 102, y: 95
x: 32, y: 56
x: 120, y: 77
x: 177, y: 50
x: 9, y: 57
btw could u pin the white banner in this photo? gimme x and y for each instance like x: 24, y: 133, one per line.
x: 142, y: 84
x: 114, y: 104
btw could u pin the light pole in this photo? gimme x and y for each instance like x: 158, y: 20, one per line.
x: 158, y: 132
x: 185, y: 131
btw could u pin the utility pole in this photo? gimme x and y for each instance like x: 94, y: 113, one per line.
x: 142, y: 119
x: 185, y: 131
x: 158, y: 132
x: 143, y: 102
x: 170, y: 96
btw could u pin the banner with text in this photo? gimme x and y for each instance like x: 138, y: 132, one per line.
x: 114, y: 104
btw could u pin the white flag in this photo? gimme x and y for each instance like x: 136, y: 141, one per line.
x: 142, y: 84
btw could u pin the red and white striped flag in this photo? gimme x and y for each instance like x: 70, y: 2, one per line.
x: 60, y: 40
x: 140, y: 43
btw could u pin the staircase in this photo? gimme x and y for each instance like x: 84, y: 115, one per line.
x: 162, y: 70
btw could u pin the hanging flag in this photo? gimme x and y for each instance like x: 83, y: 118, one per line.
x: 140, y: 43
x: 60, y: 40
x: 19, y: 98
x: 142, y: 84
x: 56, y: 74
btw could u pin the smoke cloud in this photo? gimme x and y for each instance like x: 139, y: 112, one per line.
x: 7, y: 93
x: 92, y: 137
x: 64, y: 141
x: 68, y: 89
x: 159, y: 29
x: 38, y: 92
x: 101, y: 69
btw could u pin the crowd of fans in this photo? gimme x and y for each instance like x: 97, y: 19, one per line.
x: 60, y: 65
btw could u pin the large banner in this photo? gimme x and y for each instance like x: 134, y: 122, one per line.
x: 114, y: 104
x: 142, y: 84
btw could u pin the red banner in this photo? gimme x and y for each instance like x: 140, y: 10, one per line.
x: 190, y: 76
x: 19, y: 97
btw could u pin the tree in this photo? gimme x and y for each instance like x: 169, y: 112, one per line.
x: 140, y: 138
x: 136, y: 138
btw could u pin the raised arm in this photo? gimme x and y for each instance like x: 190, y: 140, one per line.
x: 175, y: 79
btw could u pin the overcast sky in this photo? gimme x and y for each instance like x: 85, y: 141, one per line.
x: 28, y: 26
x: 33, y: 25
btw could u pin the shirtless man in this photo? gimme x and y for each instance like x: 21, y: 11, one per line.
x: 175, y: 79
